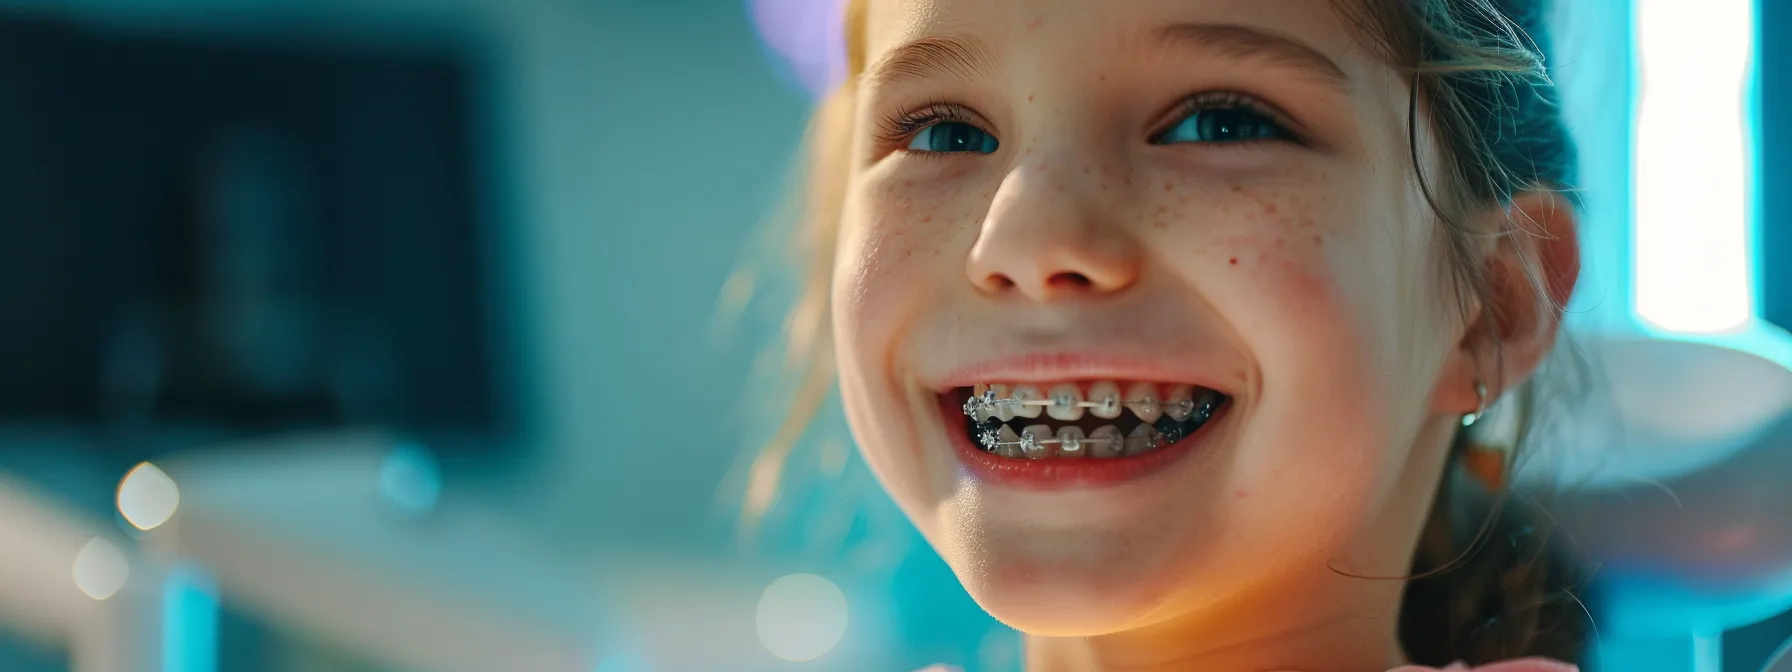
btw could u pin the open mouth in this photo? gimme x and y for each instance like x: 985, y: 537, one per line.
x: 1083, y: 420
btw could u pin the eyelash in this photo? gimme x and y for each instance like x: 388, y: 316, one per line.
x: 900, y: 128
x: 1227, y: 100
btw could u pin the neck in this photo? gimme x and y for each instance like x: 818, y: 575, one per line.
x: 1329, y: 624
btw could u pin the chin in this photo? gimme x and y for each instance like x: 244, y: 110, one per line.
x: 1060, y: 608
x: 1037, y: 600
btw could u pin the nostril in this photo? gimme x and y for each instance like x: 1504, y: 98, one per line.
x: 1076, y: 280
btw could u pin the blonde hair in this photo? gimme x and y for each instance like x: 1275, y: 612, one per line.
x: 1478, y: 66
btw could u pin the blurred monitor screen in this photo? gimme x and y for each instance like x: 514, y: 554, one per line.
x: 244, y: 233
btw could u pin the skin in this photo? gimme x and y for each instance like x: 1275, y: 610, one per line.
x: 1306, y: 277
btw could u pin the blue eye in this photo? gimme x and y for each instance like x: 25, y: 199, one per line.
x: 952, y: 136
x: 1222, y: 125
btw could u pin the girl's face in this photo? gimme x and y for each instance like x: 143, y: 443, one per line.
x: 1203, y: 210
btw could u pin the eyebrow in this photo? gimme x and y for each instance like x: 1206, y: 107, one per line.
x: 1246, y: 42
x: 959, y: 56
x: 966, y: 58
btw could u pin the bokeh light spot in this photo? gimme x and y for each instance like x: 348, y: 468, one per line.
x: 801, y: 617
x: 101, y: 569
x: 807, y: 37
x: 147, y: 497
x: 410, y: 479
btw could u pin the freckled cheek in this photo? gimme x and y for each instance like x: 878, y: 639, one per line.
x: 1312, y: 330
x: 1261, y: 252
x: 1314, y: 349
x: 924, y: 216
x: 870, y: 279
x: 1280, y: 291
x: 1295, y: 282
x: 892, y: 256
x: 1286, y: 271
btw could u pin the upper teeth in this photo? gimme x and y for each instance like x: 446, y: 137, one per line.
x: 1005, y: 411
x: 1144, y: 401
x: 1106, y: 396
x: 1181, y: 402
x: 1027, y: 402
x: 1067, y: 401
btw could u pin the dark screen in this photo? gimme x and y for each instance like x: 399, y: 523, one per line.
x: 237, y: 233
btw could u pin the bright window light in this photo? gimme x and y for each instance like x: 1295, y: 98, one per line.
x: 1694, y: 235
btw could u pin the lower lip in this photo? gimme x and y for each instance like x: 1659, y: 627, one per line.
x: 1061, y: 473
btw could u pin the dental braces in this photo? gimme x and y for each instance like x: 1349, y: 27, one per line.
x: 988, y: 403
x: 1027, y: 444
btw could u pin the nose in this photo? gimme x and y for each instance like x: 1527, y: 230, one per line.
x: 1048, y: 239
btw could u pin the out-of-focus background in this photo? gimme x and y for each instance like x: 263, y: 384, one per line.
x: 383, y: 335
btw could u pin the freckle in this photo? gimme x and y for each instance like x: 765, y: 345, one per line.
x: 1168, y: 186
x: 1234, y: 261
x: 1127, y: 181
x: 1318, y: 241
x: 1104, y: 78
x: 926, y: 219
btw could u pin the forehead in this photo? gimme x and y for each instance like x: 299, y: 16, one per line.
x: 1092, y: 29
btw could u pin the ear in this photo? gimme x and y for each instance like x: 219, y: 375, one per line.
x: 1531, y: 271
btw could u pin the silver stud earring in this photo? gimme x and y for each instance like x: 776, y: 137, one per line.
x: 1480, y: 404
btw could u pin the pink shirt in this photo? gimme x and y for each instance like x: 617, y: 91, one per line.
x: 1522, y: 665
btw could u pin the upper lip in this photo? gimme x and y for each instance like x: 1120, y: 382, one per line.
x: 1062, y: 366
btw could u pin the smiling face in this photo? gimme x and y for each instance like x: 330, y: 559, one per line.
x: 1201, y: 200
